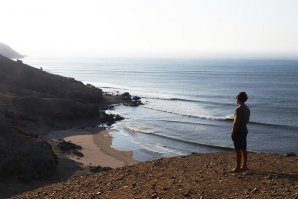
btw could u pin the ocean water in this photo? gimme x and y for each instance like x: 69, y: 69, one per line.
x: 189, y: 103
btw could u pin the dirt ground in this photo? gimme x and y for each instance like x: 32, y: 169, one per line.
x: 194, y: 176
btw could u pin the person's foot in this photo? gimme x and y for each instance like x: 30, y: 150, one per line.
x: 244, y: 169
x: 236, y: 169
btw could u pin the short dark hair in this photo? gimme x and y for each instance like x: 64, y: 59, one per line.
x: 242, y: 97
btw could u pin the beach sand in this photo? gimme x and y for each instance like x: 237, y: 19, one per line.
x: 96, y: 147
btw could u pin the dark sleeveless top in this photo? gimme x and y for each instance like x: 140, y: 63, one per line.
x: 243, y: 114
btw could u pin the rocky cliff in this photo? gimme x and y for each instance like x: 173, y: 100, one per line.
x: 32, y: 102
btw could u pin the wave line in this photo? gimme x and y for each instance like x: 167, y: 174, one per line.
x: 226, y: 119
x: 225, y: 148
x: 188, y: 100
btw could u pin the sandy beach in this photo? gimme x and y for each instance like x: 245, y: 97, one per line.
x: 96, y: 147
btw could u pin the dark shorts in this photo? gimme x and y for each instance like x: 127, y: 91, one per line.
x: 240, y: 141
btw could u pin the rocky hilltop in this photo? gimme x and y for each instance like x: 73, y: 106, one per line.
x: 32, y: 102
x: 198, y: 176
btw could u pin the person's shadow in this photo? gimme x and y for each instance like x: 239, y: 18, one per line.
x: 275, y: 175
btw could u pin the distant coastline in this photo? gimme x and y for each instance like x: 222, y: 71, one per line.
x: 10, y: 53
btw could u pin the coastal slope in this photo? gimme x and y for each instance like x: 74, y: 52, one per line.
x: 33, y: 102
x: 195, y: 176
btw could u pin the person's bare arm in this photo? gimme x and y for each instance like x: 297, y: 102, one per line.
x: 235, y: 125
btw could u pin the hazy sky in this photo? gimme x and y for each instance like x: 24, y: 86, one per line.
x: 150, y: 27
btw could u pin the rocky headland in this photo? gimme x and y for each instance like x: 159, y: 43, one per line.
x: 34, y: 102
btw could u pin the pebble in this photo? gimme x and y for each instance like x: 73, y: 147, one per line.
x: 154, y: 195
x: 255, y: 190
x: 187, y: 193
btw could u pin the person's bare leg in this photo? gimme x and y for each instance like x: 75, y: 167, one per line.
x: 244, y: 154
x: 238, y: 161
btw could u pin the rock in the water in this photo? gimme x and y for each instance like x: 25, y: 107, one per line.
x: 131, y: 101
x: 109, y: 119
x: 126, y: 95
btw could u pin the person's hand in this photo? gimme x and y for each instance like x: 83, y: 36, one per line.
x: 232, y: 135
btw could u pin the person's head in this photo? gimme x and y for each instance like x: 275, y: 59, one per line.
x: 241, y: 97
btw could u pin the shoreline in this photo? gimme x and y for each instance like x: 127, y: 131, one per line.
x: 96, y: 147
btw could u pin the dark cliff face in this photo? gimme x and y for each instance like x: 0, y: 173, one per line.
x: 26, y: 77
x: 24, y: 156
x: 35, y: 95
x: 33, y: 101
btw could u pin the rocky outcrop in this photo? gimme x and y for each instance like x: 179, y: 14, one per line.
x: 70, y: 148
x: 131, y: 100
x: 109, y: 119
x: 32, y: 102
x: 24, y: 156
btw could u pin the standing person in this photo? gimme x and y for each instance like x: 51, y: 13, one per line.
x: 239, y: 132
